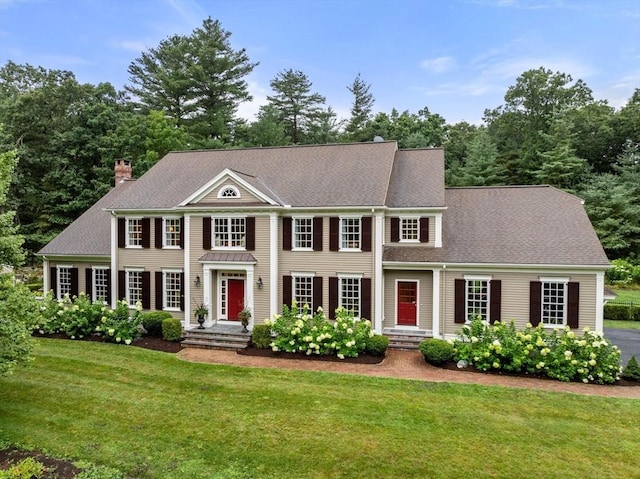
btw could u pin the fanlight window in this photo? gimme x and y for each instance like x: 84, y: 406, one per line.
x: 228, y: 192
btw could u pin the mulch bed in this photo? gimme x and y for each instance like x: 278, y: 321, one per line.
x: 146, y: 342
x: 54, y: 468
x: 268, y: 353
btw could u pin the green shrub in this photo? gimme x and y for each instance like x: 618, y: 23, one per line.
x: 100, y: 472
x: 436, y: 351
x: 27, y: 468
x: 119, y: 325
x: 171, y: 329
x: 621, y: 312
x: 152, y: 322
x: 261, y: 336
x: 631, y: 371
x: 377, y: 345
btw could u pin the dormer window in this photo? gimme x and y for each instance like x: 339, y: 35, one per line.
x: 228, y: 192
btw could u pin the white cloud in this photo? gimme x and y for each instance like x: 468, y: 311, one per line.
x: 249, y: 110
x: 439, y: 64
x: 136, y: 46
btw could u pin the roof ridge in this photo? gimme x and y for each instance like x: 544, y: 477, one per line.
x: 246, y: 148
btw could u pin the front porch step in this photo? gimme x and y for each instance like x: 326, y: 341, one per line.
x: 405, y: 339
x: 216, y: 338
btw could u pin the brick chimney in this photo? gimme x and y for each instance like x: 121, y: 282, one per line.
x: 122, y: 171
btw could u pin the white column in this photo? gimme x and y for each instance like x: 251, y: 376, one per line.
x: 45, y: 276
x: 114, y: 261
x: 187, y: 270
x: 436, y: 304
x: 206, y: 299
x: 599, y: 302
x: 438, y: 243
x: 274, y: 305
x: 378, y: 273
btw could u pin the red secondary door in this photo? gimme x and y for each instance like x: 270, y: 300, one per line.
x: 407, y: 303
x: 235, y: 299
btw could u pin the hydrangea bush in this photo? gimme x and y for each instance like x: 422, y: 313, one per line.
x: 558, y: 354
x: 298, y: 331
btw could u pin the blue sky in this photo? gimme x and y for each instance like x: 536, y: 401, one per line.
x: 455, y: 57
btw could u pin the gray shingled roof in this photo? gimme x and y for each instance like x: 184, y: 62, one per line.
x: 301, y: 176
x: 90, y: 234
x: 417, y: 178
x: 510, y: 225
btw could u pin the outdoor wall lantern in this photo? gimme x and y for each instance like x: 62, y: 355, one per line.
x: 197, y: 281
x: 260, y: 284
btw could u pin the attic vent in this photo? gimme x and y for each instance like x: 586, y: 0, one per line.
x: 228, y: 192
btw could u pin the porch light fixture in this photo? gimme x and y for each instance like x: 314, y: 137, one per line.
x: 260, y: 284
x: 197, y: 281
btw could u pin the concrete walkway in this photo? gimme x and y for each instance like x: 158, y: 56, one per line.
x: 405, y: 365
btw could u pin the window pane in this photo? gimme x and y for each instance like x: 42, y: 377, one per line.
x: 172, y: 290
x: 553, y: 303
x: 134, y: 287
x: 229, y: 232
x: 303, y: 233
x: 64, y: 282
x: 350, y: 295
x: 350, y: 232
x: 303, y: 290
x: 172, y: 232
x: 410, y: 229
x: 101, y: 284
x: 477, y: 298
x: 134, y: 232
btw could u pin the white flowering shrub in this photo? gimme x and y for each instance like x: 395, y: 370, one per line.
x: 559, y: 354
x: 119, y: 326
x: 298, y: 331
x: 75, y: 316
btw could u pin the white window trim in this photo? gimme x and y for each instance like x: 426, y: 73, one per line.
x: 226, y: 187
x: 293, y: 233
x: 127, y: 236
x: 350, y: 217
x: 224, y: 276
x: 343, y: 276
x: 164, y: 288
x: 468, y: 278
x: 295, y: 276
x: 164, y: 232
x: 58, y: 268
x: 228, y: 217
x: 409, y: 217
x: 564, y: 281
x: 127, y: 290
x: 94, y: 294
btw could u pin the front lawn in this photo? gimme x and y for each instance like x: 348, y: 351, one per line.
x: 612, y: 323
x: 155, y: 416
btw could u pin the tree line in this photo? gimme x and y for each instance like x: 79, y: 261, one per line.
x: 185, y: 92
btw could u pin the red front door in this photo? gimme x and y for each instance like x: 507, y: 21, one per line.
x: 235, y: 300
x: 407, y: 303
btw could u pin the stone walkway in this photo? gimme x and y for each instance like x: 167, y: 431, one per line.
x: 405, y: 365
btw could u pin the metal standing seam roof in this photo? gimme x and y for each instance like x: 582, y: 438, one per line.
x: 536, y: 225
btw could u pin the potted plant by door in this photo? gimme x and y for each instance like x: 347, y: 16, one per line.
x: 245, y: 317
x: 201, y: 313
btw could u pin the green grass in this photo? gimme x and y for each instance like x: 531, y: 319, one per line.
x: 611, y: 323
x: 154, y: 416
x: 626, y: 295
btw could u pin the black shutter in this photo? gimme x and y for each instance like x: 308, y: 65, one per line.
x: 206, y: 232
x: 333, y: 296
x: 286, y: 233
x: 182, y: 233
x: 459, y: 301
x: 535, y: 302
x: 53, y: 280
x: 88, y: 282
x: 317, y: 233
x: 365, y: 298
x: 122, y: 232
x: 146, y: 232
x: 334, y: 234
x: 181, y: 291
x: 495, y: 300
x: 317, y: 293
x: 146, y: 289
x: 158, y: 232
x: 250, y: 225
x: 424, y: 229
x: 287, y: 282
x: 365, y: 224
x: 108, y: 298
x: 122, y: 285
x: 395, y: 229
x: 573, y: 305
x: 74, y: 282
x: 159, y: 291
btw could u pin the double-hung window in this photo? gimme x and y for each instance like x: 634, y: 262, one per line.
x: 133, y: 287
x: 303, y: 233
x: 477, y: 297
x: 171, y: 228
x: 302, y: 285
x: 410, y: 230
x: 349, y: 293
x: 101, y: 284
x: 350, y: 232
x: 229, y: 232
x: 63, y: 281
x: 134, y: 233
x: 554, y: 302
x: 172, y: 285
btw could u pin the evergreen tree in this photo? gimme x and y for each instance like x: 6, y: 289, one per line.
x: 357, y: 128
